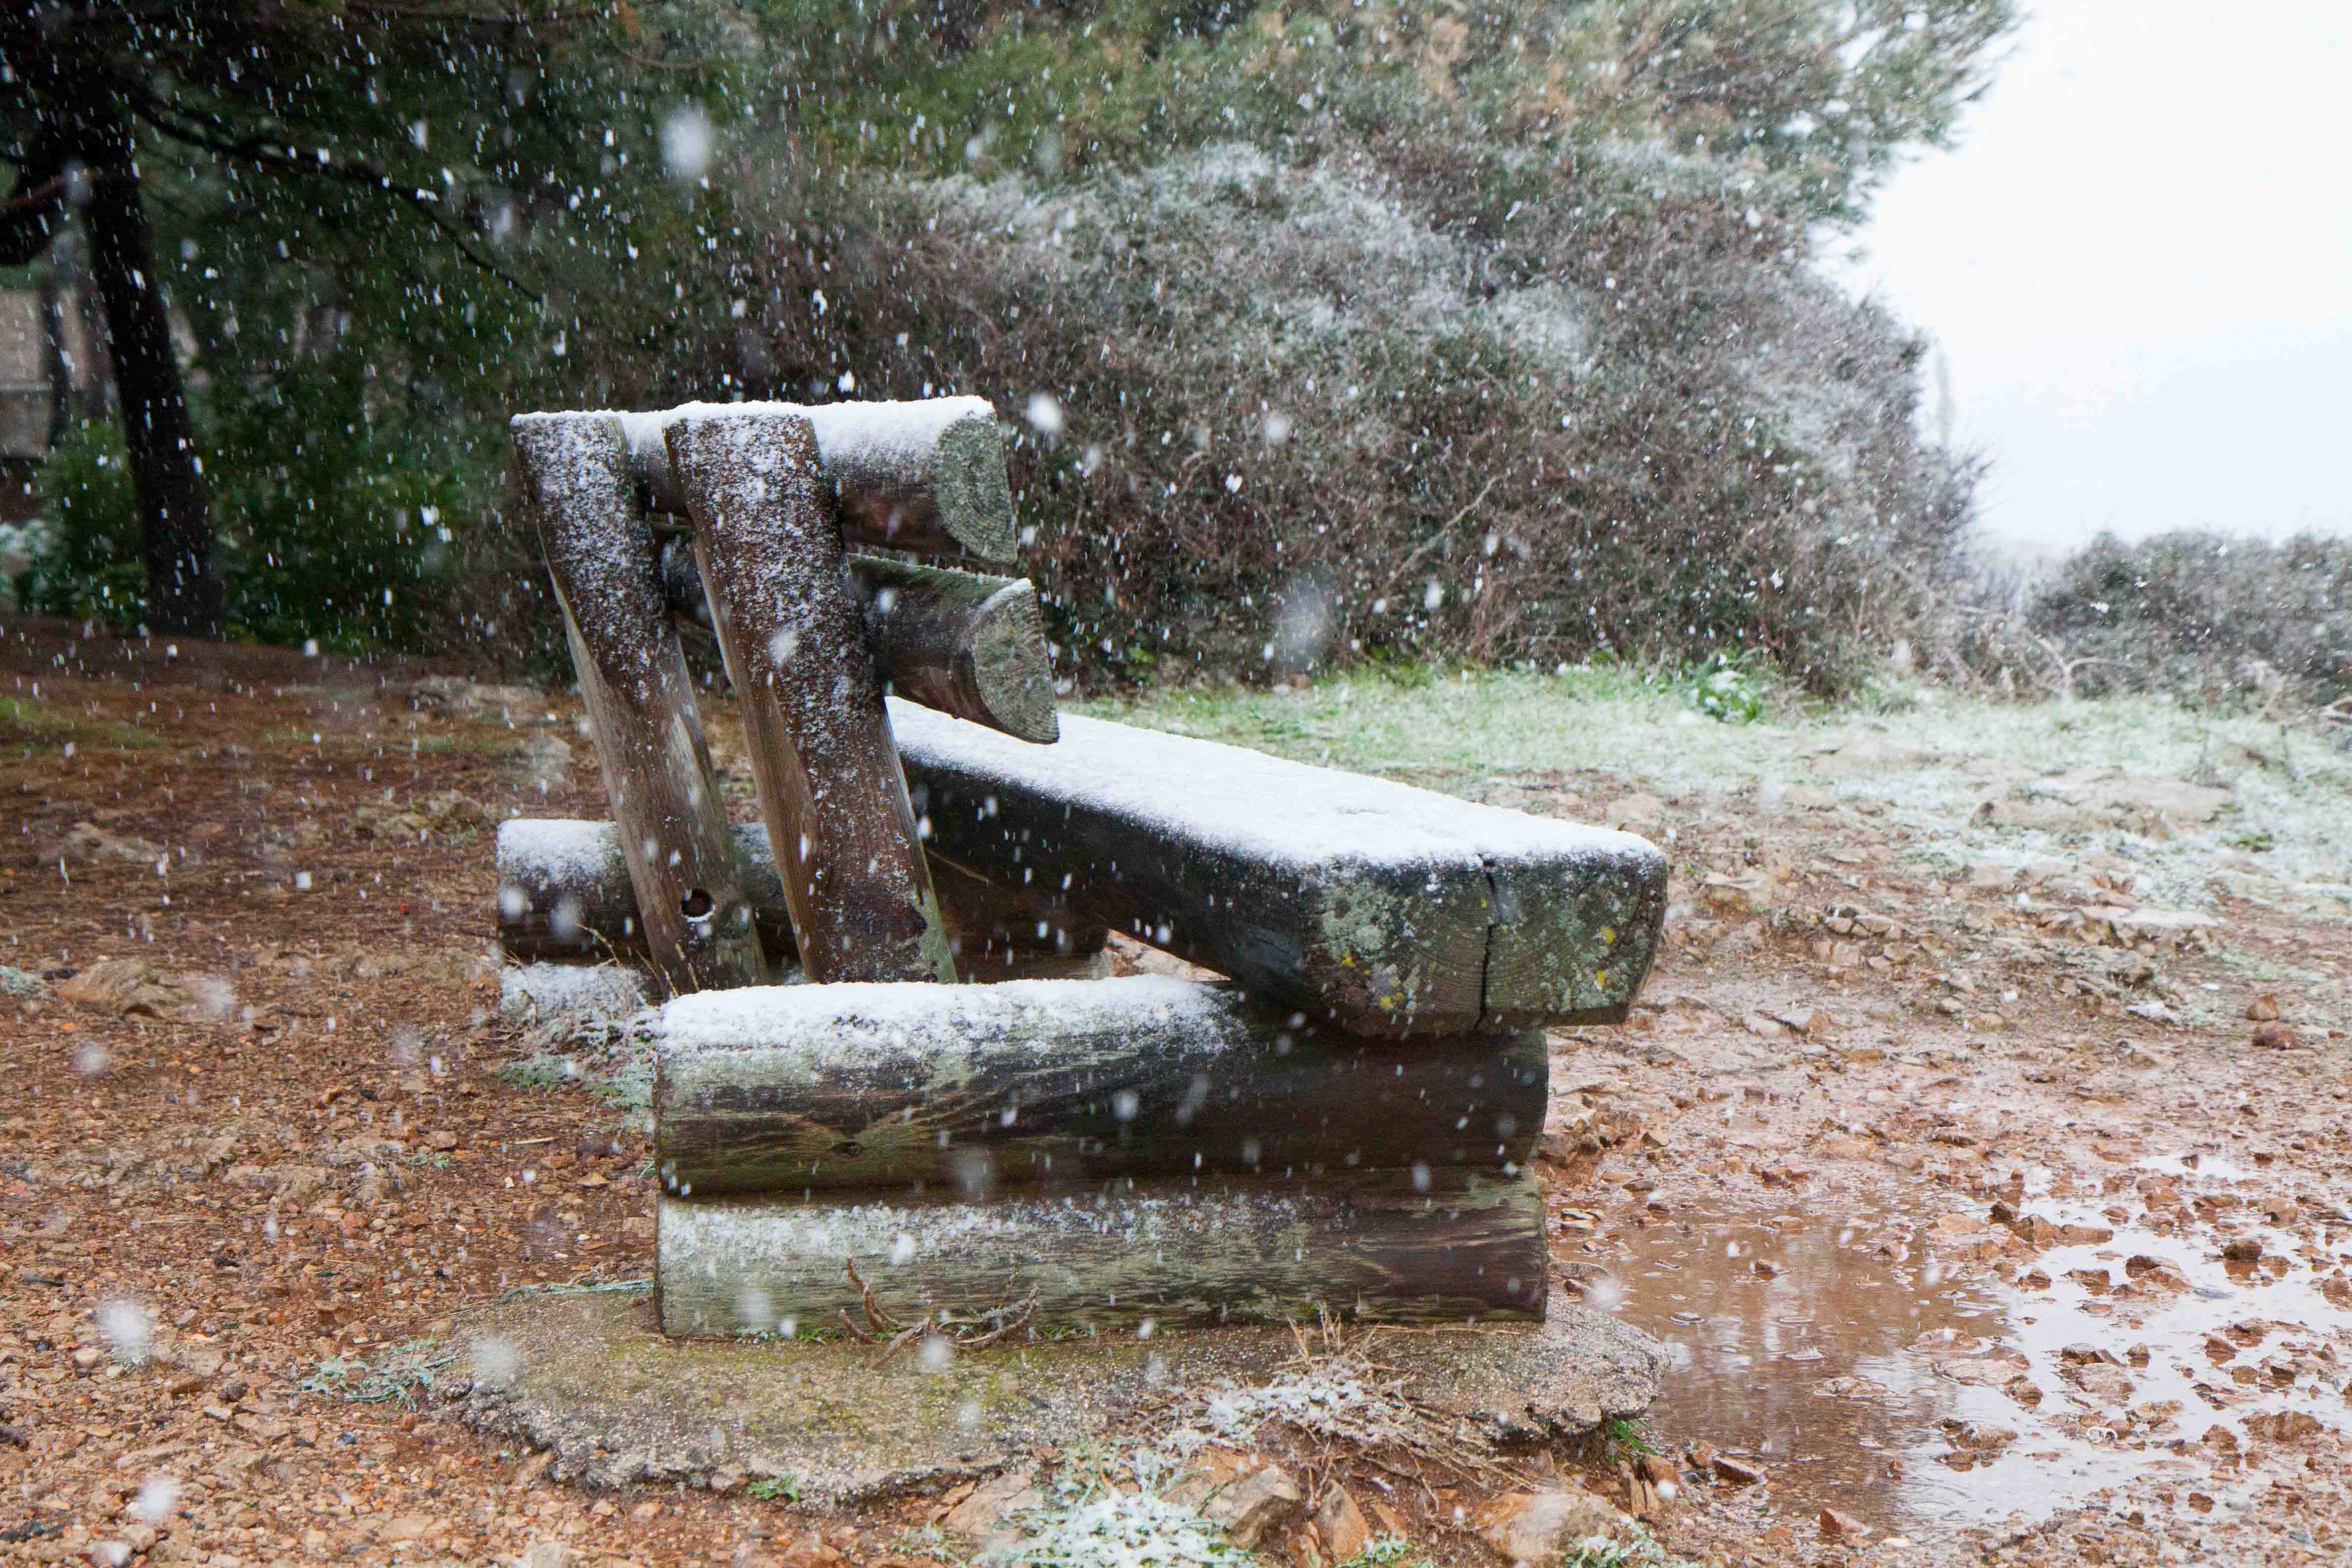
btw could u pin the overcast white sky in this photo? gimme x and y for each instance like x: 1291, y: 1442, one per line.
x: 2138, y: 264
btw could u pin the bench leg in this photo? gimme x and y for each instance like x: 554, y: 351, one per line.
x: 792, y: 633
x: 602, y: 555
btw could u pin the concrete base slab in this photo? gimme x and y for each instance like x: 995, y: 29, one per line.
x: 591, y: 1378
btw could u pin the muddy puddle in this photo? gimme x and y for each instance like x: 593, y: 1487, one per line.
x: 1913, y: 1373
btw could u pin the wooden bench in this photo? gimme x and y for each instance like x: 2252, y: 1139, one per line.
x: 1345, y: 1126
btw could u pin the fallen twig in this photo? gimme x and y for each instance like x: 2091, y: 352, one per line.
x: 880, y: 1321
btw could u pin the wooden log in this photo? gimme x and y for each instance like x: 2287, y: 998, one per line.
x: 640, y: 699
x: 997, y: 933
x: 1378, y: 907
x: 925, y: 476
x: 564, y: 894
x: 825, y: 1086
x: 792, y: 635
x: 1376, y: 1249
x: 956, y: 641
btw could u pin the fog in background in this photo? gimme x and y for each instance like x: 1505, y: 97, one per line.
x: 2138, y: 267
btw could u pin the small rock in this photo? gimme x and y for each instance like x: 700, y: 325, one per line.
x: 1541, y: 1527
x: 1259, y: 1504
x: 86, y: 841
x: 1634, y: 811
x: 1341, y: 1525
x: 128, y: 985
x: 444, y: 1141
x: 1733, y: 1472
x: 2275, y: 1038
x: 2105, y: 1384
x: 2283, y: 1426
x: 1836, y: 1526
x: 980, y: 1516
x: 2262, y: 1009
x: 2153, y: 1272
x: 2244, y: 1249
x: 549, y: 1554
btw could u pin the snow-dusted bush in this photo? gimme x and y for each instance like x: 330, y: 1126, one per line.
x: 2204, y: 615
x: 1350, y: 328
x: 1425, y: 399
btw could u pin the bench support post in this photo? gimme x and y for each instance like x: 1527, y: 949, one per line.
x: 649, y: 737
x: 793, y: 632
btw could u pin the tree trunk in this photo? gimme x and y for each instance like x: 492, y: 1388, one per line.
x: 185, y: 591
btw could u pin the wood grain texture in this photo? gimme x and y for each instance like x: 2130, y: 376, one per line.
x: 792, y: 633
x: 944, y: 492
x: 1012, y: 1086
x: 564, y: 894
x: 1172, y: 1254
x: 1380, y: 909
x: 687, y: 887
x: 959, y: 642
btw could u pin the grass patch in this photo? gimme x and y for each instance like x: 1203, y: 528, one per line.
x: 397, y: 1375
x: 37, y: 726
x: 1480, y: 721
x: 925, y: 1541
x: 774, y: 1488
x: 628, y: 1086
x: 602, y: 1288
x: 1641, y: 1552
x: 1938, y: 757
x: 1728, y: 688
x: 1624, y: 1438
x: 1089, y: 1522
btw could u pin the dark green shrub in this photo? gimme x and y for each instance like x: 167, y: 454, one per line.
x: 338, y: 521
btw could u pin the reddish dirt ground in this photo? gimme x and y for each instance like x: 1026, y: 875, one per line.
x: 1875, y: 1164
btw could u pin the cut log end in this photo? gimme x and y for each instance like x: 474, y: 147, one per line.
x: 970, y: 646
x: 1010, y: 679
x: 971, y: 490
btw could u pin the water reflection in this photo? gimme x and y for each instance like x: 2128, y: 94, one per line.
x: 1870, y: 1365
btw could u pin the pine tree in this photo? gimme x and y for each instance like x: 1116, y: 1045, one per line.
x: 330, y: 99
